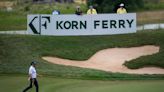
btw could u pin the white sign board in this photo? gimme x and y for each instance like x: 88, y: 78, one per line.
x: 65, y: 25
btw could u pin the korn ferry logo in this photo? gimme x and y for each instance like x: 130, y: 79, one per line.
x: 64, y: 25
x: 38, y: 23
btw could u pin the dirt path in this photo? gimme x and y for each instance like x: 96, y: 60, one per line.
x: 113, y: 59
x: 4, y: 4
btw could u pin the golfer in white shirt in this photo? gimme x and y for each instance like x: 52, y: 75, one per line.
x: 32, y: 77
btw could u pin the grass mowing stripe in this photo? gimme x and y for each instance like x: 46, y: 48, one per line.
x: 47, y: 84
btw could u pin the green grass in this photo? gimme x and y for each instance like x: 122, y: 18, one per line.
x: 48, y: 84
x: 155, y: 60
x: 12, y: 21
x: 17, y: 51
x: 17, y: 19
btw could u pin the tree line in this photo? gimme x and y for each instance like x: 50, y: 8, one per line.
x: 110, y: 6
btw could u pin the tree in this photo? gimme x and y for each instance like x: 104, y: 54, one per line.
x: 110, y: 6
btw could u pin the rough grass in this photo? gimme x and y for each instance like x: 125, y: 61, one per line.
x: 12, y: 21
x: 17, y: 51
x: 48, y: 84
x: 17, y: 19
x: 155, y: 60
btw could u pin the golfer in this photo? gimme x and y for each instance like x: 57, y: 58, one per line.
x: 32, y: 77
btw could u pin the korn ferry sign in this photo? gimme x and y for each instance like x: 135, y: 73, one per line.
x: 101, y: 24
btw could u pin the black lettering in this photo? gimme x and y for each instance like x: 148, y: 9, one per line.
x: 74, y: 24
x: 104, y: 24
x: 121, y: 23
x: 83, y: 24
x: 67, y: 25
x: 130, y: 22
x: 113, y: 24
x: 58, y: 24
x: 96, y: 23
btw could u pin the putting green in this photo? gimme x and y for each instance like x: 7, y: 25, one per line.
x: 47, y: 84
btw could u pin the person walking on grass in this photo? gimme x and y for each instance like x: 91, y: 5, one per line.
x: 32, y: 77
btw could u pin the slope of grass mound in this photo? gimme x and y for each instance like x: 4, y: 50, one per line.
x: 17, y: 51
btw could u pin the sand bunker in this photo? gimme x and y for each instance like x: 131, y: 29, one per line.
x: 113, y: 59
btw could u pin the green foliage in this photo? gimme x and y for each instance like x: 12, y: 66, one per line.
x: 110, y: 6
x: 152, y: 6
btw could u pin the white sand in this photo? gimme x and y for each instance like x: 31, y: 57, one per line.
x: 113, y: 59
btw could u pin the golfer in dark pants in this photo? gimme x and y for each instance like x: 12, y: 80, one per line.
x: 32, y: 77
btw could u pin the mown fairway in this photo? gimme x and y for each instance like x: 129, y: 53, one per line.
x: 47, y: 84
